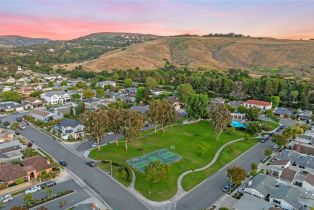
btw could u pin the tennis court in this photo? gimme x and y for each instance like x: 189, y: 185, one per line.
x: 163, y: 155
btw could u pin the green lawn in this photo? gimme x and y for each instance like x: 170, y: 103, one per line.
x: 228, y: 154
x: 115, y: 173
x: 186, y: 139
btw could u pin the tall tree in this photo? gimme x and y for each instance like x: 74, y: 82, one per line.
x: 128, y: 82
x: 220, y: 117
x: 197, y: 106
x: 133, y: 124
x: 252, y: 113
x: 88, y: 94
x: 161, y: 113
x: 151, y: 83
x: 27, y: 200
x: 96, y: 124
x: 183, y: 92
x: 116, y: 117
x: 275, y: 100
x: 236, y: 174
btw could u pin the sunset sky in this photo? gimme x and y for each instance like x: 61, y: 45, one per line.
x: 67, y: 19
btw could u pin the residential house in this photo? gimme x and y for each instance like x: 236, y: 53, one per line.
x: 42, y: 115
x: 28, y: 169
x: 70, y: 128
x: 283, y: 112
x: 218, y: 100
x: 276, y: 166
x: 9, y: 106
x: 10, y: 80
x: 32, y: 103
x: 249, y: 202
x: 56, y: 97
x: 305, y: 115
x: 263, y: 105
x: 26, y: 90
x: 236, y: 104
x: 103, y: 84
x: 237, y: 116
x: 175, y: 102
x: 279, y: 193
x: 6, y: 135
x: 141, y: 109
x: 10, y: 151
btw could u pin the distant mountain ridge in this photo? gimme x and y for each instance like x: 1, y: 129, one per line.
x: 18, y: 41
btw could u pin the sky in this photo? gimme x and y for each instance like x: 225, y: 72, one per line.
x: 68, y: 19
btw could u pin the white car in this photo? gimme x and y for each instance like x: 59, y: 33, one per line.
x: 94, y: 145
x: 275, y: 146
x: 32, y: 189
x: 22, y: 127
x: 6, y: 198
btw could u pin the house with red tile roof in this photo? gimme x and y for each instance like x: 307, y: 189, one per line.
x: 263, y: 105
x: 30, y: 168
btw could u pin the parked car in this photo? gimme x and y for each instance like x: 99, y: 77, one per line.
x: 17, y: 133
x: 48, y: 184
x: 22, y: 127
x: 91, y: 163
x: 63, y: 163
x: 33, y: 189
x: 19, y: 119
x: 275, y: 146
x: 6, y: 198
x: 227, y: 187
x: 94, y: 145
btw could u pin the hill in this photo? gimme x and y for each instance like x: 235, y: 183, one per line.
x: 17, y: 41
x: 75, y: 50
x: 256, y: 54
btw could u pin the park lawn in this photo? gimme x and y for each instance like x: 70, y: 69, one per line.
x: 228, y: 154
x: 115, y: 173
x: 186, y: 139
x: 271, y: 125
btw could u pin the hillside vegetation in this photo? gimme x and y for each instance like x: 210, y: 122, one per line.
x: 261, y: 55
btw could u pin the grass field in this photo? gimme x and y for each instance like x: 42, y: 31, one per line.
x: 228, y: 154
x: 187, y: 140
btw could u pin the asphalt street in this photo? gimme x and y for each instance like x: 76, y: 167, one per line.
x: 72, y: 199
x: 209, y: 191
x: 111, y: 192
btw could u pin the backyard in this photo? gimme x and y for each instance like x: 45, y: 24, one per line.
x: 184, y: 140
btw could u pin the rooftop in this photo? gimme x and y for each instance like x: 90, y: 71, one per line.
x: 258, y: 103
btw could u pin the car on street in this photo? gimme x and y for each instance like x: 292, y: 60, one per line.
x: 91, y: 163
x: 275, y: 146
x: 17, y: 133
x: 6, y: 198
x: 63, y: 163
x: 33, y: 189
x: 48, y: 184
x: 22, y: 127
x: 227, y: 187
x: 94, y: 145
x: 19, y: 119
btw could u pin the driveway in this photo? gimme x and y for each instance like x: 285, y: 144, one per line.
x: 12, y: 117
x: 104, y: 186
x: 72, y: 199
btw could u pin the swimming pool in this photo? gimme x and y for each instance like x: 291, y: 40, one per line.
x: 237, y: 124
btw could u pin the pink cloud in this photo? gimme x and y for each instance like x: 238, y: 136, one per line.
x: 56, y: 28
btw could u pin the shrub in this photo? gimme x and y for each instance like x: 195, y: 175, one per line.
x: 19, y: 181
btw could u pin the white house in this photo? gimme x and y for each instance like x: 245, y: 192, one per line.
x: 102, y: 84
x: 264, y: 105
x: 56, y: 97
x: 70, y: 128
